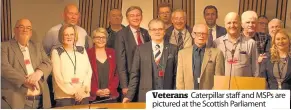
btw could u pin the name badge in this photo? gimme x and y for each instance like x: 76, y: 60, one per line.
x: 198, y: 80
x: 26, y: 62
x: 75, y: 80
x: 161, y: 73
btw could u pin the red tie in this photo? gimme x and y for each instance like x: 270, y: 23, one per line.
x: 139, y: 42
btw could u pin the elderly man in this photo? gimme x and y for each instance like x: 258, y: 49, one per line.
x: 198, y: 64
x: 126, y: 42
x: 25, y: 67
x: 210, y: 15
x: 274, y: 25
x: 179, y: 34
x: 115, y: 18
x: 262, y: 24
x: 249, y: 24
x: 164, y: 13
x: 240, y: 53
x: 71, y: 15
x: 154, y: 64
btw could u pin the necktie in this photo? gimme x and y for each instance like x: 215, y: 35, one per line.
x: 157, y: 54
x: 180, y: 41
x: 139, y: 42
x: 210, y: 38
x: 197, y: 69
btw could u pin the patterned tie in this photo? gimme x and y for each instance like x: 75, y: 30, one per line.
x: 180, y: 41
x: 210, y: 38
x: 139, y: 41
x: 157, y: 54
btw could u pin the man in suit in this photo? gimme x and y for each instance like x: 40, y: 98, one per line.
x: 179, y: 33
x: 25, y: 67
x: 154, y: 64
x: 164, y: 13
x: 190, y: 74
x: 126, y: 42
x: 215, y: 31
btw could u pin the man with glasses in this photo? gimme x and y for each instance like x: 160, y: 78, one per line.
x: 164, y: 13
x: 198, y: 64
x: 24, y: 71
x: 262, y: 24
x: 154, y: 64
x: 126, y: 42
x: 240, y: 53
x: 179, y: 33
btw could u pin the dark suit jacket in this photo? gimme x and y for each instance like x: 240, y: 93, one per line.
x: 170, y: 30
x: 125, y: 46
x: 13, y: 72
x: 113, y: 76
x: 142, y: 69
x: 267, y: 71
x: 220, y: 31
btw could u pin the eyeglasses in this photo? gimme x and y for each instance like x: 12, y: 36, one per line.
x: 157, y: 29
x: 99, y: 38
x: 165, y: 13
x: 21, y: 27
x: 200, y: 34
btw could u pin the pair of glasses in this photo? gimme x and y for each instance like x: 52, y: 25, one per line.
x: 157, y: 29
x: 21, y: 27
x: 200, y: 34
x: 99, y: 38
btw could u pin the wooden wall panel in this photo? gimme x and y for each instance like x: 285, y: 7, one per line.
x: 6, y: 32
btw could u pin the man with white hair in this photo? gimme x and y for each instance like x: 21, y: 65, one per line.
x: 249, y: 25
x: 274, y: 25
x: 240, y: 53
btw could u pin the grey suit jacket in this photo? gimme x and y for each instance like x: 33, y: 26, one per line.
x: 142, y: 70
x: 13, y: 73
x: 212, y: 64
x: 220, y: 31
x: 125, y: 46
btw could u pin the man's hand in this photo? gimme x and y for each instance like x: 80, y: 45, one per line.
x: 261, y: 57
x: 106, y: 92
x: 34, y: 77
x: 125, y: 100
x: 103, y: 93
x: 29, y: 86
x: 124, y: 91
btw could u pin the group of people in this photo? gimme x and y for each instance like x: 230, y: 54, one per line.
x: 126, y: 62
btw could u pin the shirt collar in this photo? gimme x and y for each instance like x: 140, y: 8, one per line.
x: 22, y: 47
x: 226, y: 37
x: 213, y: 28
x: 154, y: 44
x: 195, y: 47
x: 183, y: 31
x: 132, y: 29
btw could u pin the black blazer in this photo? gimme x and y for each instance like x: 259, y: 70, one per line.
x: 125, y: 46
x: 267, y: 72
x: 142, y: 68
x: 220, y: 31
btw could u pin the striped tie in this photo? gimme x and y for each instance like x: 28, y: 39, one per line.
x: 180, y: 41
x: 157, y: 54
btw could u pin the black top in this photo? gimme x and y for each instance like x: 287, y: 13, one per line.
x: 103, y: 70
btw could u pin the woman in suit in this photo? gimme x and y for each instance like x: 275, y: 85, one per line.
x: 104, y: 80
x: 277, y: 68
x: 71, y: 69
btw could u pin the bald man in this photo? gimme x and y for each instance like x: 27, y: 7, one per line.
x: 24, y: 70
x: 198, y: 64
x: 115, y: 18
x: 240, y: 53
x: 71, y: 15
x: 274, y: 25
x: 249, y: 24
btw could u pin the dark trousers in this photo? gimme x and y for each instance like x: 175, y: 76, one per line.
x: 31, y: 103
x: 70, y: 102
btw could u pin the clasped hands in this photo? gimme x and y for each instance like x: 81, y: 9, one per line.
x: 103, y: 92
x: 31, y: 80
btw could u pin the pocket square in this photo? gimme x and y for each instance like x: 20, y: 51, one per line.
x: 243, y: 52
x: 170, y: 56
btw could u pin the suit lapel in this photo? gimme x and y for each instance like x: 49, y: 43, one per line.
x: 149, y: 61
x: 18, y: 54
x: 131, y: 36
x: 189, y: 61
x: 288, y: 74
x: 206, y: 58
x: 32, y: 54
x: 165, y: 55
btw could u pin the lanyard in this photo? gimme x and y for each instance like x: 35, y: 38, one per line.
x: 280, y: 70
x: 75, y: 65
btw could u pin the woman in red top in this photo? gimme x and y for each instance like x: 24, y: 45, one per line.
x: 104, y: 80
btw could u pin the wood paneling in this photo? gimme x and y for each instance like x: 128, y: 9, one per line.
x: 6, y: 32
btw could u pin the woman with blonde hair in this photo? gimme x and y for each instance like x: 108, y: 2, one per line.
x: 71, y: 70
x: 104, y: 80
x: 277, y: 68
